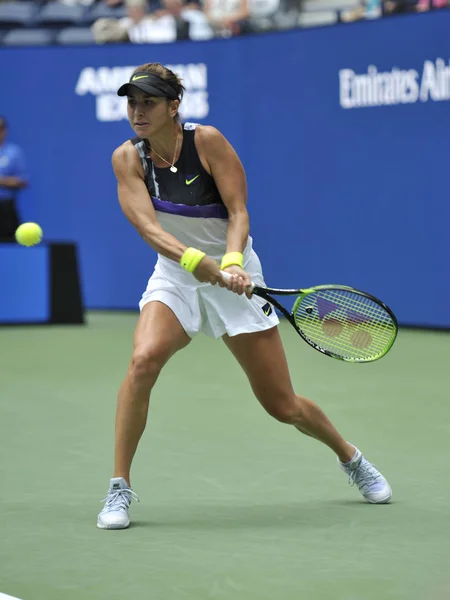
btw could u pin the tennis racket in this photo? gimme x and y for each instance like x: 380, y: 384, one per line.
x: 337, y: 320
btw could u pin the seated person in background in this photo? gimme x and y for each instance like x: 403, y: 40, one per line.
x: 139, y: 23
x: 424, y: 5
x: 227, y: 17
x: 108, y: 31
x: 368, y: 9
x: 170, y: 23
x: 399, y: 6
x: 13, y: 178
x: 196, y: 26
x: 136, y: 27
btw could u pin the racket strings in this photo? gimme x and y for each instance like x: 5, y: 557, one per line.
x: 345, y: 323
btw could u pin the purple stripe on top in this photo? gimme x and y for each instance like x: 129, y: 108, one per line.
x: 209, y: 211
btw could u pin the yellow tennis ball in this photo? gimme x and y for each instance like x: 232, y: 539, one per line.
x: 29, y: 234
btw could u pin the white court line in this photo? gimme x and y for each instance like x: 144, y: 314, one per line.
x: 6, y: 597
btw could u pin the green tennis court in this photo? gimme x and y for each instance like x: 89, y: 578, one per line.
x: 234, y: 505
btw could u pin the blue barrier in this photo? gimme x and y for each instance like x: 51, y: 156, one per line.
x: 40, y: 285
x: 342, y: 132
x: 24, y: 274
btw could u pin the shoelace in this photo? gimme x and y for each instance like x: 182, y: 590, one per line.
x: 119, y: 499
x: 364, y: 475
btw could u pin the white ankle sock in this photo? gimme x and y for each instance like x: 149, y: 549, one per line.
x: 347, y: 464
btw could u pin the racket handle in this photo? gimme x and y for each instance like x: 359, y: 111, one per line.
x: 227, y: 278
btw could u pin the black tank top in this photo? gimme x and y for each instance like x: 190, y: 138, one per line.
x: 191, y: 185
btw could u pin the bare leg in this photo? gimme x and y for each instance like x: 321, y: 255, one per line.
x: 157, y: 337
x: 262, y: 357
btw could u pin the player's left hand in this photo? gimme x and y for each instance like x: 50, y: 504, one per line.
x: 240, y: 281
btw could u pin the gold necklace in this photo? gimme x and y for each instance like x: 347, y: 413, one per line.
x: 172, y: 167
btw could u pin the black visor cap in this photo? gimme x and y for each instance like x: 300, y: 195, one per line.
x: 149, y: 84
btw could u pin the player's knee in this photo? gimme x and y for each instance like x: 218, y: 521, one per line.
x: 284, y: 410
x: 145, y: 366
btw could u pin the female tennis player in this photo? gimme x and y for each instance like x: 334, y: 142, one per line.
x: 184, y: 189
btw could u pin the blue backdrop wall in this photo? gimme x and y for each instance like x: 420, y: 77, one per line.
x: 343, y: 132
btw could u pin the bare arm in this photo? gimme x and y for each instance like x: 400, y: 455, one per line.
x: 12, y: 182
x: 222, y: 162
x: 137, y: 206
x: 229, y: 176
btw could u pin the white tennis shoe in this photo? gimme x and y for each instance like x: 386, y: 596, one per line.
x: 371, y: 483
x: 117, y: 502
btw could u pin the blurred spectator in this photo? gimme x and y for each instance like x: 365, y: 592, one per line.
x: 227, y: 17
x: 424, y: 5
x: 399, y: 6
x: 198, y: 26
x: 372, y: 9
x: 139, y: 24
x: 108, y: 31
x: 135, y: 27
x: 402, y: 6
x: 13, y: 177
x: 274, y: 14
x: 369, y: 9
x: 172, y: 22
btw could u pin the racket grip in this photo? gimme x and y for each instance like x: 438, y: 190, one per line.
x: 227, y: 278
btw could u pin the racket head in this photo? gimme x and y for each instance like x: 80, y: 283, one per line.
x: 345, y: 323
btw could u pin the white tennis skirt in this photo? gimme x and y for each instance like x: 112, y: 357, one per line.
x: 210, y: 309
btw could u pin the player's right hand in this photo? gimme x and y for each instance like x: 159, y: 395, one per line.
x: 208, y: 271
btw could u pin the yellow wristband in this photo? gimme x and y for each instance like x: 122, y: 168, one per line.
x: 190, y: 259
x: 232, y: 258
